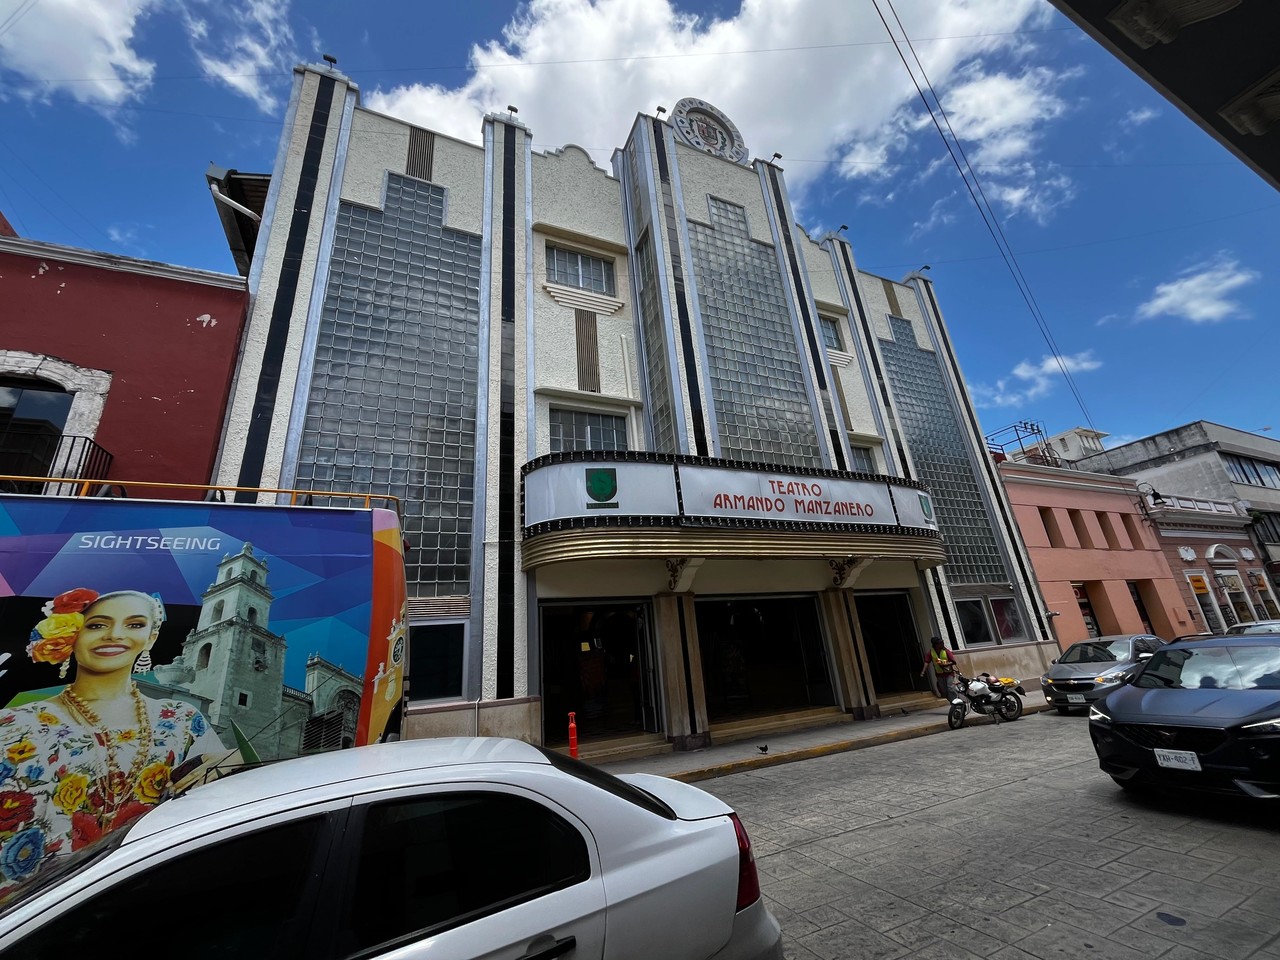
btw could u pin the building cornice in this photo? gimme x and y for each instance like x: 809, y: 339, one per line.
x: 605, y: 402
x: 19, y: 246
x: 1062, y: 478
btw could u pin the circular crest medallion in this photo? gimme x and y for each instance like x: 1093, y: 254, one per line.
x: 705, y: 128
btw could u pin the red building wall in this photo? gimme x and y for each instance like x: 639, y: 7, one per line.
x: 170, y: 344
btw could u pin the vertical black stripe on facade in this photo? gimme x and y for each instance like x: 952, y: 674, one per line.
x: 784, y: 228
x: 506, y: 639
x: 264, y: 401
x: 688, y: 667
x: 875, y: 358
x: 946, y: 611
x: 682, y: 303
x: 988, y: 466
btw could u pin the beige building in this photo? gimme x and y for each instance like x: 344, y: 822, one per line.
x: 667, y: 461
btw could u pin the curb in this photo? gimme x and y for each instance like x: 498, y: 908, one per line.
x: 829, y: 749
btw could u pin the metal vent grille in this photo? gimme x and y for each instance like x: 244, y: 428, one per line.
x: 439, y: 608
x: 422, y: 149
x: 588, y: 351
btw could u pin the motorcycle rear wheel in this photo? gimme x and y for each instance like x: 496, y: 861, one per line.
x: 955, y: 716
x: 1010, y: 707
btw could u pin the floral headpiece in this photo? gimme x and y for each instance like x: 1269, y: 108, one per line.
x: 54, y: 637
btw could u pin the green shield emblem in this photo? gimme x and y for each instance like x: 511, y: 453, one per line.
x: 927, y: 506
x: 602, y: 485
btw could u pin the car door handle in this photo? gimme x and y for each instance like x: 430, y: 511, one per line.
x: 558, y: 949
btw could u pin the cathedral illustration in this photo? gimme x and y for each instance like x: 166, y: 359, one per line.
x: 234, y: 665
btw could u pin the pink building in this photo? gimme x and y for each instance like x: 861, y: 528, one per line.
x: 1098, y: 558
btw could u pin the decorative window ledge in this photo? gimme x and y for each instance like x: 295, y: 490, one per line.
x: 578, y: 299
x: 839, y: 358
x: 585, y: 400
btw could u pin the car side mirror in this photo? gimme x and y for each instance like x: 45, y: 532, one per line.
x: 1054, y: 660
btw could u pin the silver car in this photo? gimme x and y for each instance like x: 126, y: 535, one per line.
x: 1258, y: 626
x: 1089, y: 670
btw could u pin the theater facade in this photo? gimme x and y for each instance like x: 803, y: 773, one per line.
x: 667, y: 461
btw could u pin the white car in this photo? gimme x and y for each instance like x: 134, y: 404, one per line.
x: 442, y: 849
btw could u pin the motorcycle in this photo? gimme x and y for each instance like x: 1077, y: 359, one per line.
x: 998, y: 697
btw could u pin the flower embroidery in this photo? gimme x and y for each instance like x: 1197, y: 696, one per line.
x: 34, y: 772
x: 47, y: 718
x: 73, y: 790
x: 7, y: 770
x: 21, y: 854
x: 197, y: 725
x: 21, y: 752
x: 16, y: 809
x: 168, y: 713
x: 126, y: 736
x: 151, y: 782
x: 85, y: 829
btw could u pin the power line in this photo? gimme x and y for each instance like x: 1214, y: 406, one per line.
x: 20, y: 11
x: 989, y: 218
x: 56, y: 195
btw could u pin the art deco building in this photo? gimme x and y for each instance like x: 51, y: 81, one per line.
x: 665, y: 459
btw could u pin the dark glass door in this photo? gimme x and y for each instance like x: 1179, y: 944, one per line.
x: 894, y: 649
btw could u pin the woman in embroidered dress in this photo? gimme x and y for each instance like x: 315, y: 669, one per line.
x: 98, y: 754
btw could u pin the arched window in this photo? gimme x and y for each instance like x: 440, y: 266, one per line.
x: 253, y: 576
x: 217, y: 611
x: 202, y: 658
x: 228, y: 574
x: 253, y: 614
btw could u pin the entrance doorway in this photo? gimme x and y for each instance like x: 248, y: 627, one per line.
x: 894, y: 650
x: 598, y: 662
x: 762, y: 655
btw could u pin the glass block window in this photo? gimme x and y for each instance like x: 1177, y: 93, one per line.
x: 653, y: 332
x: 861, y: 460
x: 575, y: 269
x: 757, y: 382
x: 936, y: 440
x: 393, y: 394
x: 831, y: 333
x: 578, y: 430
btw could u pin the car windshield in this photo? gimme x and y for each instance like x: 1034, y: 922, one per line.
x: 1269, y: 626
x: 1213, y: 668
x: 1097, y: 651
x: 57, y: 865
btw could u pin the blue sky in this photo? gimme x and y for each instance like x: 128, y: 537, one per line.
x: 1150, y: 249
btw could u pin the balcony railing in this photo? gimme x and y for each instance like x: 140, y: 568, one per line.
x: 29, y: 453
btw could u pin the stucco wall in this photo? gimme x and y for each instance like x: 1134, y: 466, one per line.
x: 702, y: 175
x: 169, y: 345
x: 379, y: 145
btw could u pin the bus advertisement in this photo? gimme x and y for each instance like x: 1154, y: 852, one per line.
x: 147, y: 644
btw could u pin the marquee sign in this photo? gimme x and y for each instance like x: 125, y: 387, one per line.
x: 674, y: 491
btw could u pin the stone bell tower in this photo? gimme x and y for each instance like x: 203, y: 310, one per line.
x: 238, y: 663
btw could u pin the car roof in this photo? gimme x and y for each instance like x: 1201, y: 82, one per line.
x: 1241, y: 640
x: 338, y: 767
x: 1112, y: 637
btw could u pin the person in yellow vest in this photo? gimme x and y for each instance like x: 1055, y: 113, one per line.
x: 943, y: 667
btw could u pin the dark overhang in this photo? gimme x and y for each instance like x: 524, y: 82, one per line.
x: 1218, y: 61
x: 247, y: 191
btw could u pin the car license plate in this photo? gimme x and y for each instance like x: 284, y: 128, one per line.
x: 1075, y: 698
x: 1177, y: 759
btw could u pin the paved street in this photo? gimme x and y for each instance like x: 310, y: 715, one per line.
x: 1005, y: 842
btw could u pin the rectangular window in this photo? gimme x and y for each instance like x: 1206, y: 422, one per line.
x: 1051, y: 527
x: 974, y: 623
x: 575, y: 269
x: 1082, y: 531
x: 577, y: 430
x: 1257, y: 473
x: 435, y: 661
x: 1134, y: 528
x: 831, y: 333
x: 1109, y: 532
x: 861, y: 460
x: 1008, y: 619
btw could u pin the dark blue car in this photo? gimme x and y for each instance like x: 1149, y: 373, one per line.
x: 1204, y: 716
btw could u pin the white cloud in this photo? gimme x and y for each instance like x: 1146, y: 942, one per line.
x: 1031, y: 381
x: 81, y: 48
x: 1136, y: 118
x: 88, y: 49
x: 122, y: 234
x: 1200, y: 294
x: 251, y: 49
x: 579, y: 70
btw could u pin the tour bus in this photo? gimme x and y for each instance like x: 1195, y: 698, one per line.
x: 149, y: 643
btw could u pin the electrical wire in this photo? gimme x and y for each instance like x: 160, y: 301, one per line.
x: 978, y: 195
